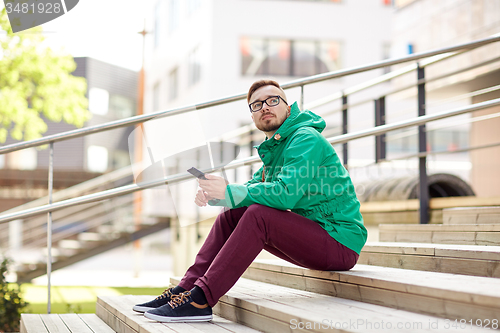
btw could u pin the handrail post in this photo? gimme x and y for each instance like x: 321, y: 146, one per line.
x: 380, y: 145
x: 49, y: 226
x: 251, y: 144
x: 345, y: 152
x: 302, y: 97
x: 422, y: 148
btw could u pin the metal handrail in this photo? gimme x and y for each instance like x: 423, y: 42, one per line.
x: 242, y: 162
x: 296, y: 83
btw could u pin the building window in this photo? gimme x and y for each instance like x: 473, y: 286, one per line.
x: 97, y: 159
x: 194, y: 67
x: 98, y: 101
x: 288, y: 57
x: 156, y: 97
x: 173, y: 15
x: 173, y: 84
x: 121, y: 106
x: 158, y: 23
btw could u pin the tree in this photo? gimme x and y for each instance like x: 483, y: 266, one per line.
x: 11, y: 304
x: 35, y: 81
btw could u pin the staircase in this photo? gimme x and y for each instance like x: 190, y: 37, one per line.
x: 405, y: 287
x: 78, y: 232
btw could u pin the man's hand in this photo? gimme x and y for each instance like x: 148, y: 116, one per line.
x: 214, y: 187
x: 201, y: 198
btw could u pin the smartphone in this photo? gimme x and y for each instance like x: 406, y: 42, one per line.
x: 197, y: 173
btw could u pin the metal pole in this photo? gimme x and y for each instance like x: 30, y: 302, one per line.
x: 301, y: 97
x: 422, y: 147
x: 49, y: 226
x: 251, y: 151
x: 345, y: 151
x: 379, y: 121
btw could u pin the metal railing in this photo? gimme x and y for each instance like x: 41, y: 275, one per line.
x: 420, y: 121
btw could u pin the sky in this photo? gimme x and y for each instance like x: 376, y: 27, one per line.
x: 105, y: 30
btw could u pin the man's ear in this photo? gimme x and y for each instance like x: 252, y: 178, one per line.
x: 289, y: 109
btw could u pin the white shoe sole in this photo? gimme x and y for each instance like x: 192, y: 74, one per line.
x: 138, y: 308
x: 164, y: 319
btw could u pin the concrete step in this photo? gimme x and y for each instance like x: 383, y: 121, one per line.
x: 474, y: 260
x: 116, y: 311
x: 271, y: 308
x: 76, y: 252
x: 472, y: 215
x: 63, y: 323
x: 466, y: 234
x: 443, y: 295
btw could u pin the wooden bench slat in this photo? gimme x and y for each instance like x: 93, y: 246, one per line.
x: 74, y: 323
x: 32, y: 323
x: 54, y: 323
x: 254, y: 303
x: 95, y: 323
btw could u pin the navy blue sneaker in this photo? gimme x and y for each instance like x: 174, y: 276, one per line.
x: 182, y: 308
x: 156, y: 303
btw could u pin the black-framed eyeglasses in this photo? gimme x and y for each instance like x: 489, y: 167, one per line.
x: 271, y: 101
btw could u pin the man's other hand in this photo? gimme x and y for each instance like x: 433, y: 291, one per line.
x: 201, y: 198
x: 214, y: 187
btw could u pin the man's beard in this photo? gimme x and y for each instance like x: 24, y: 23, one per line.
x: 269, y: 127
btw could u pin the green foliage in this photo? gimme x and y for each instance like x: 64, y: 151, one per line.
x: 35, y: 80
x: 11, y: 304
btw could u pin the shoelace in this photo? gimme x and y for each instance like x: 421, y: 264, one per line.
x: 166, y: 293
x: 179, y: 299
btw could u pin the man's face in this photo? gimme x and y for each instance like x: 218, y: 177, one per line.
x: 270, y: 118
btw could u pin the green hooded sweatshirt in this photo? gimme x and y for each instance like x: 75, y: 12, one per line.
x: 303, y: 173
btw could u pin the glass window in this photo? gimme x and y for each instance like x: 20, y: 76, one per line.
x: 192, y: 6
x: 278, y: 57
x: 97, y: 159
x: 158, y: 24
x: 304, y: 59
x: 329, y: 54
x: 194, y: 67
x: 98, y: 101
x: 173, y: 84
x: 253, y: 54
x: 121, y: 106
x: 287, y: 57
x: 173, y: 15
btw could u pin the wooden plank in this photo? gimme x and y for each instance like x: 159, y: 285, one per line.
x: 112, y: 320
x: 32, y: 323
x: 441, y: 227
x: 400, y: 300
x: 232, y: 326
x: 74, y: 323
x: 398, y: 248
x: 434, y: 203
x: 287, y: 305
x: 474, y: 267
x: 95, y: 323
x: 54, y: 323
x: 473, y: 289
x: 439, y: 250
x: 472, y: 210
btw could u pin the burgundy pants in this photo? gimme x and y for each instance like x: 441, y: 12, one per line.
x: 238, y: 235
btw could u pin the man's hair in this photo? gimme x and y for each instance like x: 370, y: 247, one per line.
x: 262, y: 83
